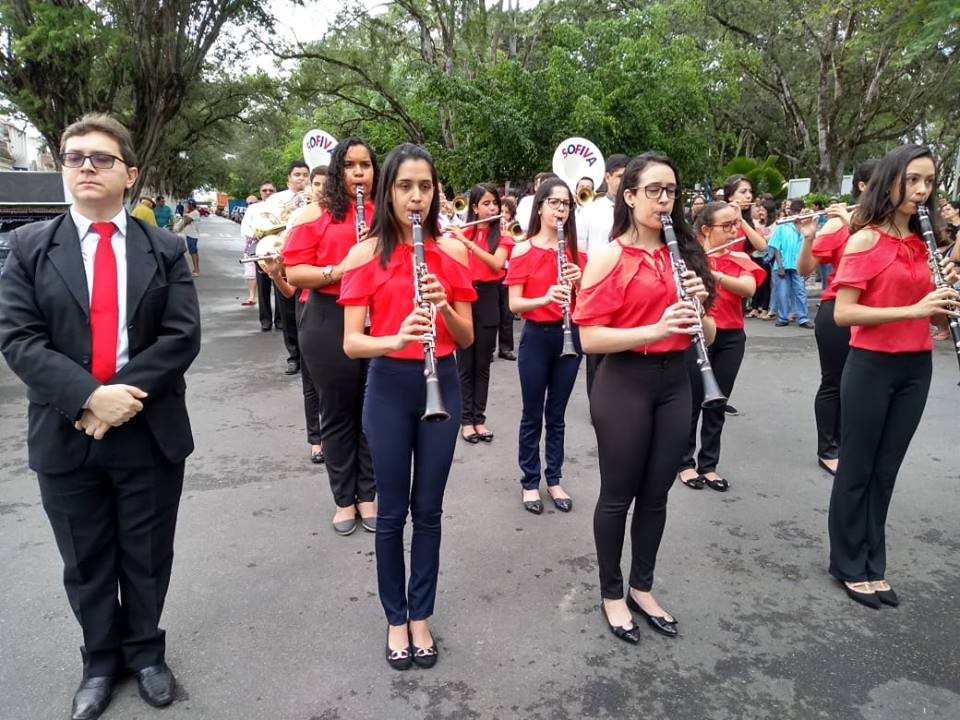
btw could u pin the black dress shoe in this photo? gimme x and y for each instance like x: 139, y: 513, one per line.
x: 533, y: 506
x: 507, y: 354
x: 92, y: 697
x: 887, y: 597
x: 293, y: 367
x: 265, y: 328
x: 425, y: 657
x: 826, y: 467
x: 398, y: 659
x: 730, y: 410
x: 157, y: 685
x: 562, y: 504
x: 627, y: 634
x: 869, y: 599
x: 720, y: 484
x: 317, y: 458
x: 694, y: 483
x: 658, y: 623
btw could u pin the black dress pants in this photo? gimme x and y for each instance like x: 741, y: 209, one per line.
x: 883, y: 396
x: 640, y: 405
x: 505, y: 330
x: 288, y: 311
x: 114, y: 528
x: 726, y: 355
x: 340, y: 384
x: 833, y: 344
x: 269, y: 317
x: 311, y: 398
x: 473, y: 362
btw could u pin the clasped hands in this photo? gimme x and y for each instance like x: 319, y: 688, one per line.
x: 110, y: 406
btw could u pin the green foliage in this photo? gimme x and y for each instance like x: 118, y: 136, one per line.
x: 765, y: 177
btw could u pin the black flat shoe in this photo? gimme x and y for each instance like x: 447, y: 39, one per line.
x: 157, y: 684
x: 533, y: 506
x: 425, y: 657
x: 562, y: 504
x: 826, y: 467
x: 398, y: 659
x: 92, y: 698
x: 508, y: 355
x: 627, y: 634
x: 694, y: 483
x: 658, y: 623
x: 472, y: 438
x: 317, y: 458
x: 887, y: 597
x: 869, y: 599
x: 731, y: 410
x: 485, y: 436
x: 720, y: 484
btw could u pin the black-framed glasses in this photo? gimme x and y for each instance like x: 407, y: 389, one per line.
x: 557, y: 203
x: 655, y: 190
x: 101, y: 161
x: 726, y: 227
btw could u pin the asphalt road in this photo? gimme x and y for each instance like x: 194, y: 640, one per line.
x: 270, y: 615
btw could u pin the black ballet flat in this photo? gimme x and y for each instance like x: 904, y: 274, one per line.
x: 887, y: 597
x: 826, y: 467
x: 425, y: 657
x: 870, y: 599
x: 472, y: 438
x: 720, y: 484
x: 533, y: 506
x: 398, y: 659
x: 694, y: 483
x: 485, y: 436
x: 630, y: 635
x: 658, y: 623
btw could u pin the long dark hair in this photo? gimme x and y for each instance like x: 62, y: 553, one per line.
x: 493, y: 229
x: 862, y: 174
x: 876, y: 207
x: 569, y: 227
x: 385, y: 226
x: 337, y: 197
x: 690, y: 250
x: 730, y: 187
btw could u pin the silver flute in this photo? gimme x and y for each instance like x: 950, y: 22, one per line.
x: 434, y: 411
x: 568, y: 349
x: 934, y: 258
x: 806, y: 216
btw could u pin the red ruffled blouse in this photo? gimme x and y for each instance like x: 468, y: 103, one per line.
x: 828, y: 250
x: 323, y: 242
x: 635, y: 292
x: 388, y: 292
x: 479, y: 270
x: 893, y: 273
x: 536, y: 271
x: 727, y: 308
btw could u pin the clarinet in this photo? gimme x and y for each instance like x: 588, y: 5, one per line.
x: 434, y: 411
x: 568, y: 349
x: 360, y: 219
x: 933, y: 259
x: 712, y: 396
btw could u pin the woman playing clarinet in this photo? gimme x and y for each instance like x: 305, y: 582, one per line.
x: 488, y: 250
x: 735, y: 277
x: 541, y: 284
x: 380, y: 279
x: 886, y: 297
x: 833, y: 341
x: 640, y: 401
x: 314, y: 255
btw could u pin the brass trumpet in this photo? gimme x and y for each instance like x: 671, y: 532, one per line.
x: 460, y: 203
x: 585, y: 196
x: 514, y: 230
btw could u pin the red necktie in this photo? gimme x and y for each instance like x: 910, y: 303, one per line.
x: 104, y: 307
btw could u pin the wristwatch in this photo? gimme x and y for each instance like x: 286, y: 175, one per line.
x: 327, y: 271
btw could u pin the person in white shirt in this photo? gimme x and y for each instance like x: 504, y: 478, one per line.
x: 525, y: 206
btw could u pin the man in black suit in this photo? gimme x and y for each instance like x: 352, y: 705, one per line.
x: 99, y: 318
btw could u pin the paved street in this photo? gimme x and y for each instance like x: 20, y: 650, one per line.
x: 270, y: 615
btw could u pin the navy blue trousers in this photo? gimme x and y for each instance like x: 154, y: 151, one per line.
x: 546, y: 381
x: 392, y: 406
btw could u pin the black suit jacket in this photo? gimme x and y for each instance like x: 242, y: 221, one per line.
x: 45, y: 338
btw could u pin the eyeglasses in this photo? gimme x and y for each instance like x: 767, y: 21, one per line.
x: 558, y: 203
x: 726, y: 227
x: 101, y: 161
x: 654, y: 191
x: 267, y: 191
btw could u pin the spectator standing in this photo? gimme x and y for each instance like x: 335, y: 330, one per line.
x: 162, y: 212
x: 144, y: 210
x: 189, y: 226
x: 791, y: 289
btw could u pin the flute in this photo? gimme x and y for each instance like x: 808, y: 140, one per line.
x: 933, y: 259
x: 476, y: 222
x: 712, y: 396
x: 434, y: 411
x: 721, y: 248
x: 806, y: 216
x: 568, y: 349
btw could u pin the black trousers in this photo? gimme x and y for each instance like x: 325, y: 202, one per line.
x: 726, y: 355
x: 761, y: 298
x: 474, y: 361
x: 114, y: 528
x: 311, y: 398
x: 265, y: 289
x: 291, y: 341
x: 339, y: 382
x: 640, y: 407
x: 505, y: 331
x: 883, y: 396
x: 833, y: 343
x: 593, y: 362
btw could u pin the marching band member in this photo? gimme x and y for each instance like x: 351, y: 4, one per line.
x: 640, y: 404
x: 508, y: 209
x: 738, y: 191
x: 886, y: 297
x: 735, y: 277
x: 488, y: 250
x: 379, y: 278
x: 314, y: 256
x: 546, y: 378
x: 833, y: 341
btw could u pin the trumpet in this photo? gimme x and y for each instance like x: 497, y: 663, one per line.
x: 806, y: 216
x: 934, y: 258
x: 360, y: 211
x: 585, y: 196
x: 514, y: 230
x: 460, y: 203
x: 434, y: 411
x: 568, y: 349
x: 712, y: 396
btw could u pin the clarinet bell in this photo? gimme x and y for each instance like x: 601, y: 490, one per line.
x: 568, y: 349
x: 712, y: 397
x: 434, y: 410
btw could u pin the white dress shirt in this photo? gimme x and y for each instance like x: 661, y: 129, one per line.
x: 89, y: 240
x: 597, y: 223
